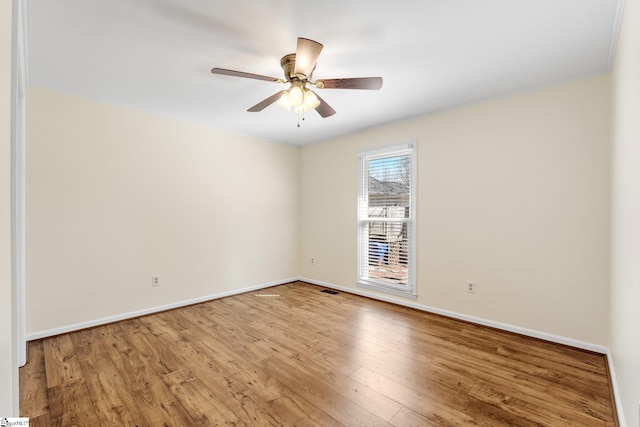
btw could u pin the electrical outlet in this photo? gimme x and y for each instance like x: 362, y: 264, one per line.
x: 471, y: 287
x: 313, y: 260
x: 155, y: 280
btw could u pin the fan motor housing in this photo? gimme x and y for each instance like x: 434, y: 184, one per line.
x: 288, y: 64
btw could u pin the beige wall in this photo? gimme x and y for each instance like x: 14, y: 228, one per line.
x: 115, y: 196
x: 7, y: 362
x: 513, y: 194
x: 625, y: 242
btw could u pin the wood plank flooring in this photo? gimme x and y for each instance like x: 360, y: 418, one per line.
x: 292, y: 355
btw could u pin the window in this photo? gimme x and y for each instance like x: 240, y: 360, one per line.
x: 386, y: 220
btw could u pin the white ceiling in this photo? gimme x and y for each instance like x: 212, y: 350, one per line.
x: 156, y: 55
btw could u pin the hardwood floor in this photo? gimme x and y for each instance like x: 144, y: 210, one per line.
x: 292, y: 355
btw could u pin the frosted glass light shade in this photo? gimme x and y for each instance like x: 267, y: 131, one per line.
x: 298, y: 99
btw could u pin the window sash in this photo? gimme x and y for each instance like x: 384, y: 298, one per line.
x: 386, y: 219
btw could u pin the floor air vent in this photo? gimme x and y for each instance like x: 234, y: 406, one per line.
x: 327, y: 291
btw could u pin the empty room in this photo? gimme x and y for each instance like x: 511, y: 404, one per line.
x: 296, y: 213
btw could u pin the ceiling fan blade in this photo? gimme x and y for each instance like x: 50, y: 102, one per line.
x: 234, y: 73
x: 324, y: 109
x: 307, y: 54
x: 369, y: 83
x: 265, y: 103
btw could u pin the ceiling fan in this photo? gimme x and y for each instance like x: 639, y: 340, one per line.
x: 298, y: 68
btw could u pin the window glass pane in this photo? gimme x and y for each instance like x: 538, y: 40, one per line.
x: 387, y: 257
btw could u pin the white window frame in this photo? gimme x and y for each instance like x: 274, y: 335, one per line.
x: 410, y: 289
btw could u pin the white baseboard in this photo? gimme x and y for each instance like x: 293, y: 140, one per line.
x: 502, y: 326
x: 478, y: 320
x: 138, y: 313
x: 616, y: 391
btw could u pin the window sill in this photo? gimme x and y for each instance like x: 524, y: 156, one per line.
x: 387, y: 289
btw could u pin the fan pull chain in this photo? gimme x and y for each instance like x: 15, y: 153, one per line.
x: 301, y: 109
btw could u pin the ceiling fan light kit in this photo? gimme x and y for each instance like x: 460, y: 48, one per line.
x: 298, y: 99
x: 298, y: 68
